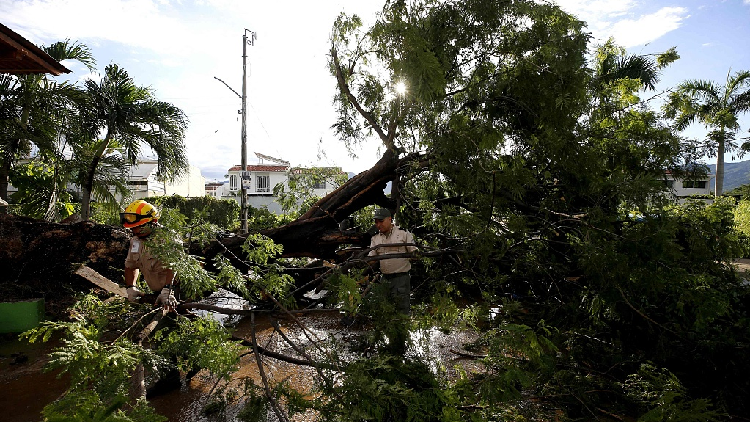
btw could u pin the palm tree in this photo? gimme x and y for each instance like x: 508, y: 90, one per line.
x: 35, y: 108
x: 129, y: 116
x: 613, y: 64
x: 717, y: 108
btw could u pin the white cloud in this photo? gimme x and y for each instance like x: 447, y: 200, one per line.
x: 647, y: 28
x: 619, y: 19
x: 94, y: 76
x: 154, y: 25
x: 596, y: 10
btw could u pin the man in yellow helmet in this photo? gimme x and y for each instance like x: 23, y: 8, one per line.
x: 141, y: 218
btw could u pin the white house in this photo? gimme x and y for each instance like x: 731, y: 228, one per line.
x: 215, y: 189
x: 142, y: 182
x: 682, y: 189
x: 261, y: 178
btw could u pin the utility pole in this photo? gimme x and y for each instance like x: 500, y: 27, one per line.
x: 245, y: 176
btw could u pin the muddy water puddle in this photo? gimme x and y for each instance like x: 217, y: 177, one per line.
x: 322, y: 334
x: 25, y: 389
x: 188, y: 403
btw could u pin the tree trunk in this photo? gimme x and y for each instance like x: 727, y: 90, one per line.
x: 88, y: 184
x: 10, y: 153
x: 4, y: 173
x: 39, y: 258
x: 51, y: 214
x: 720, y: 166
x: 317, y: 233
x: 85, y: 202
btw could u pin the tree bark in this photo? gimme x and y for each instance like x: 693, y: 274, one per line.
x: 88, y: 184
x: 39, y: 258
x: 4, y: 176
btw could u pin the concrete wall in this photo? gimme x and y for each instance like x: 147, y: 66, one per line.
x: 191, y: 185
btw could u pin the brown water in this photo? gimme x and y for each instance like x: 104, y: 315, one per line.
x: 187, y: 404
x: 25, y: 389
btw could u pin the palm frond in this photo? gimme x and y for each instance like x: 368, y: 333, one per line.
x: 72, y: 50
x: 638, y: 67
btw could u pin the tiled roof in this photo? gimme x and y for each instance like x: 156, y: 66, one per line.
x: 260, y: 167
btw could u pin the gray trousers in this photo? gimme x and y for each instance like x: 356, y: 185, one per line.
x: 399, y: 286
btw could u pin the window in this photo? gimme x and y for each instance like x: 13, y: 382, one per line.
x: 694, y: 184
x: 319, y: 185
x: 262, y: 184
x: 233, y: 182
x: 669, y: 183
x: 138, y: 184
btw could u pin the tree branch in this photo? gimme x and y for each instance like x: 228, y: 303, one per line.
x: 353, y: 100
x: 266, y: 387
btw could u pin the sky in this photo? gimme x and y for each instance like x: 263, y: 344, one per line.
x: 179, y: 47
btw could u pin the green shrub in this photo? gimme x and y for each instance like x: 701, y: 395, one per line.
x: 220, y: 212
x: 742, y: 225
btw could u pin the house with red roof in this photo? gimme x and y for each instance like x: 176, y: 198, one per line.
x: 260, y: 180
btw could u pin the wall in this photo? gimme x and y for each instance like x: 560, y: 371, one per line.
x: 193, y: 184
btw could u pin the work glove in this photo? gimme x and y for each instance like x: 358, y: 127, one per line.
x: 133, y: 294
x: 166, y: 298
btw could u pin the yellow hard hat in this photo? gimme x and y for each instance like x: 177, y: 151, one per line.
x: 138, y: 213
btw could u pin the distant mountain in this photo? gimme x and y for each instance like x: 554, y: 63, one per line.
x: 735, y: 174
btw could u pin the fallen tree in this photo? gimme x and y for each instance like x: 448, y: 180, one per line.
x: 39, y: 257
x: 318, y: 233
x: 592, y: 296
